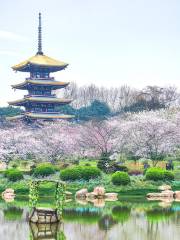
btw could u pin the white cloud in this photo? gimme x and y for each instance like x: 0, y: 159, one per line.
x: 12, y: 36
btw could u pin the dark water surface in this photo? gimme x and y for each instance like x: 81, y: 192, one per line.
x: 127, y: 219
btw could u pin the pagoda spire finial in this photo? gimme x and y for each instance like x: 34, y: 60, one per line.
x: 40, y: 52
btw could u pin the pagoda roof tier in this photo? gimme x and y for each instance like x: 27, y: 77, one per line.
x: 15, y: 117
x: 48, y: 115
x: 40, y: 61
x: 47, y: 83
x: 41, y: 116
x: 25, y: 100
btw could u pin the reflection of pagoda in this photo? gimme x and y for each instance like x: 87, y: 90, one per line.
x: 40, y: 103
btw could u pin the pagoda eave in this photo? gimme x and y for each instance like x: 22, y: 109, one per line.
x: 40, y: 100
x: 48, y: 116
x: 40, y: 61
x: 31, y: 67
x: 42, y: 116
x: 44, y: 83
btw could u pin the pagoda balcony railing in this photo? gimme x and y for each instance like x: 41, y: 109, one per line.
x: 40, y: 95
x: 40, y: 78
x: 47, y: 112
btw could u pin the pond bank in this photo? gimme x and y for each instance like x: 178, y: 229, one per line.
x: 47, y: 189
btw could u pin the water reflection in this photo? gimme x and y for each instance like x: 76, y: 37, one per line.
x: 13, y: 213
x: 106, y: 222
x: 158, y: 214
x: 135, y: 220
x: 121, y: 213
x: 46, y: 232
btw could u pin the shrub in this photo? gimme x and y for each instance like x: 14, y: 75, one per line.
x: 75, y: 162
x: 157, y: 174
x: 120, y: 178
x: 104, y: 165
x: 90, y: 172
x: 13, y: 175
x: 72, y: 174
x: 87, y: 164
x: 44, y: 169
x: 14, y: 165
x: 32, y: 167
x: 117, y: 167
x: 77, y: 173
x: 154, y: 174
x: 168, y: 175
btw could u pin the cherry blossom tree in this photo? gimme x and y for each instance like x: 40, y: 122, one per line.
x: 56, y: 141
x: 151, y: 137
x: 98, y: 137
x: 147, y: 134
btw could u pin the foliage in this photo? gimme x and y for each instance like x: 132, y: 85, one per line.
x: 143, y: 105
x: 155, y: 174
x: 33, y: 193
x: 13, y: 175
x: 104, y: 163
x: 158, y: 174
x: 80, y: 172
x: 43, y: 170
x: 120, y: 178
x: 60, y: 197
x: 97, y: 109
x: 13, y: 213
x: 61, y: 236
x: 118, y: 167
x: 9, y: 111
x: 109, y: 166
x: 168, y: 175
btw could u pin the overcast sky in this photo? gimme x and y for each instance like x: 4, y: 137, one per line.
x: 106, y: 42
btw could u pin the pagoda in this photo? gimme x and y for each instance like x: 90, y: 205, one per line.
x: 40, y: 102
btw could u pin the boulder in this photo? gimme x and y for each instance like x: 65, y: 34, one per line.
x: 8, y: 195
x: 9, y: 190
x: 111, y: 196
x: 82, y: 201
x: 163, y: 194
x: 99, y: 191
x: 91, y: 195
x: 99, y: 202
x: 167, y: 193
x: 177, y: 194
x: 81, y: 193
x: 164, y: 187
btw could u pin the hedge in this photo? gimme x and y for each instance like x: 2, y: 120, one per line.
x: 13, y: 175
x: 43, y: 170
x: 80, y: 172
x: 120, y: 178
x: 159, y: 174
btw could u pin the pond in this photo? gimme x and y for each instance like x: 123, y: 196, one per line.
x: 126, y: 219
